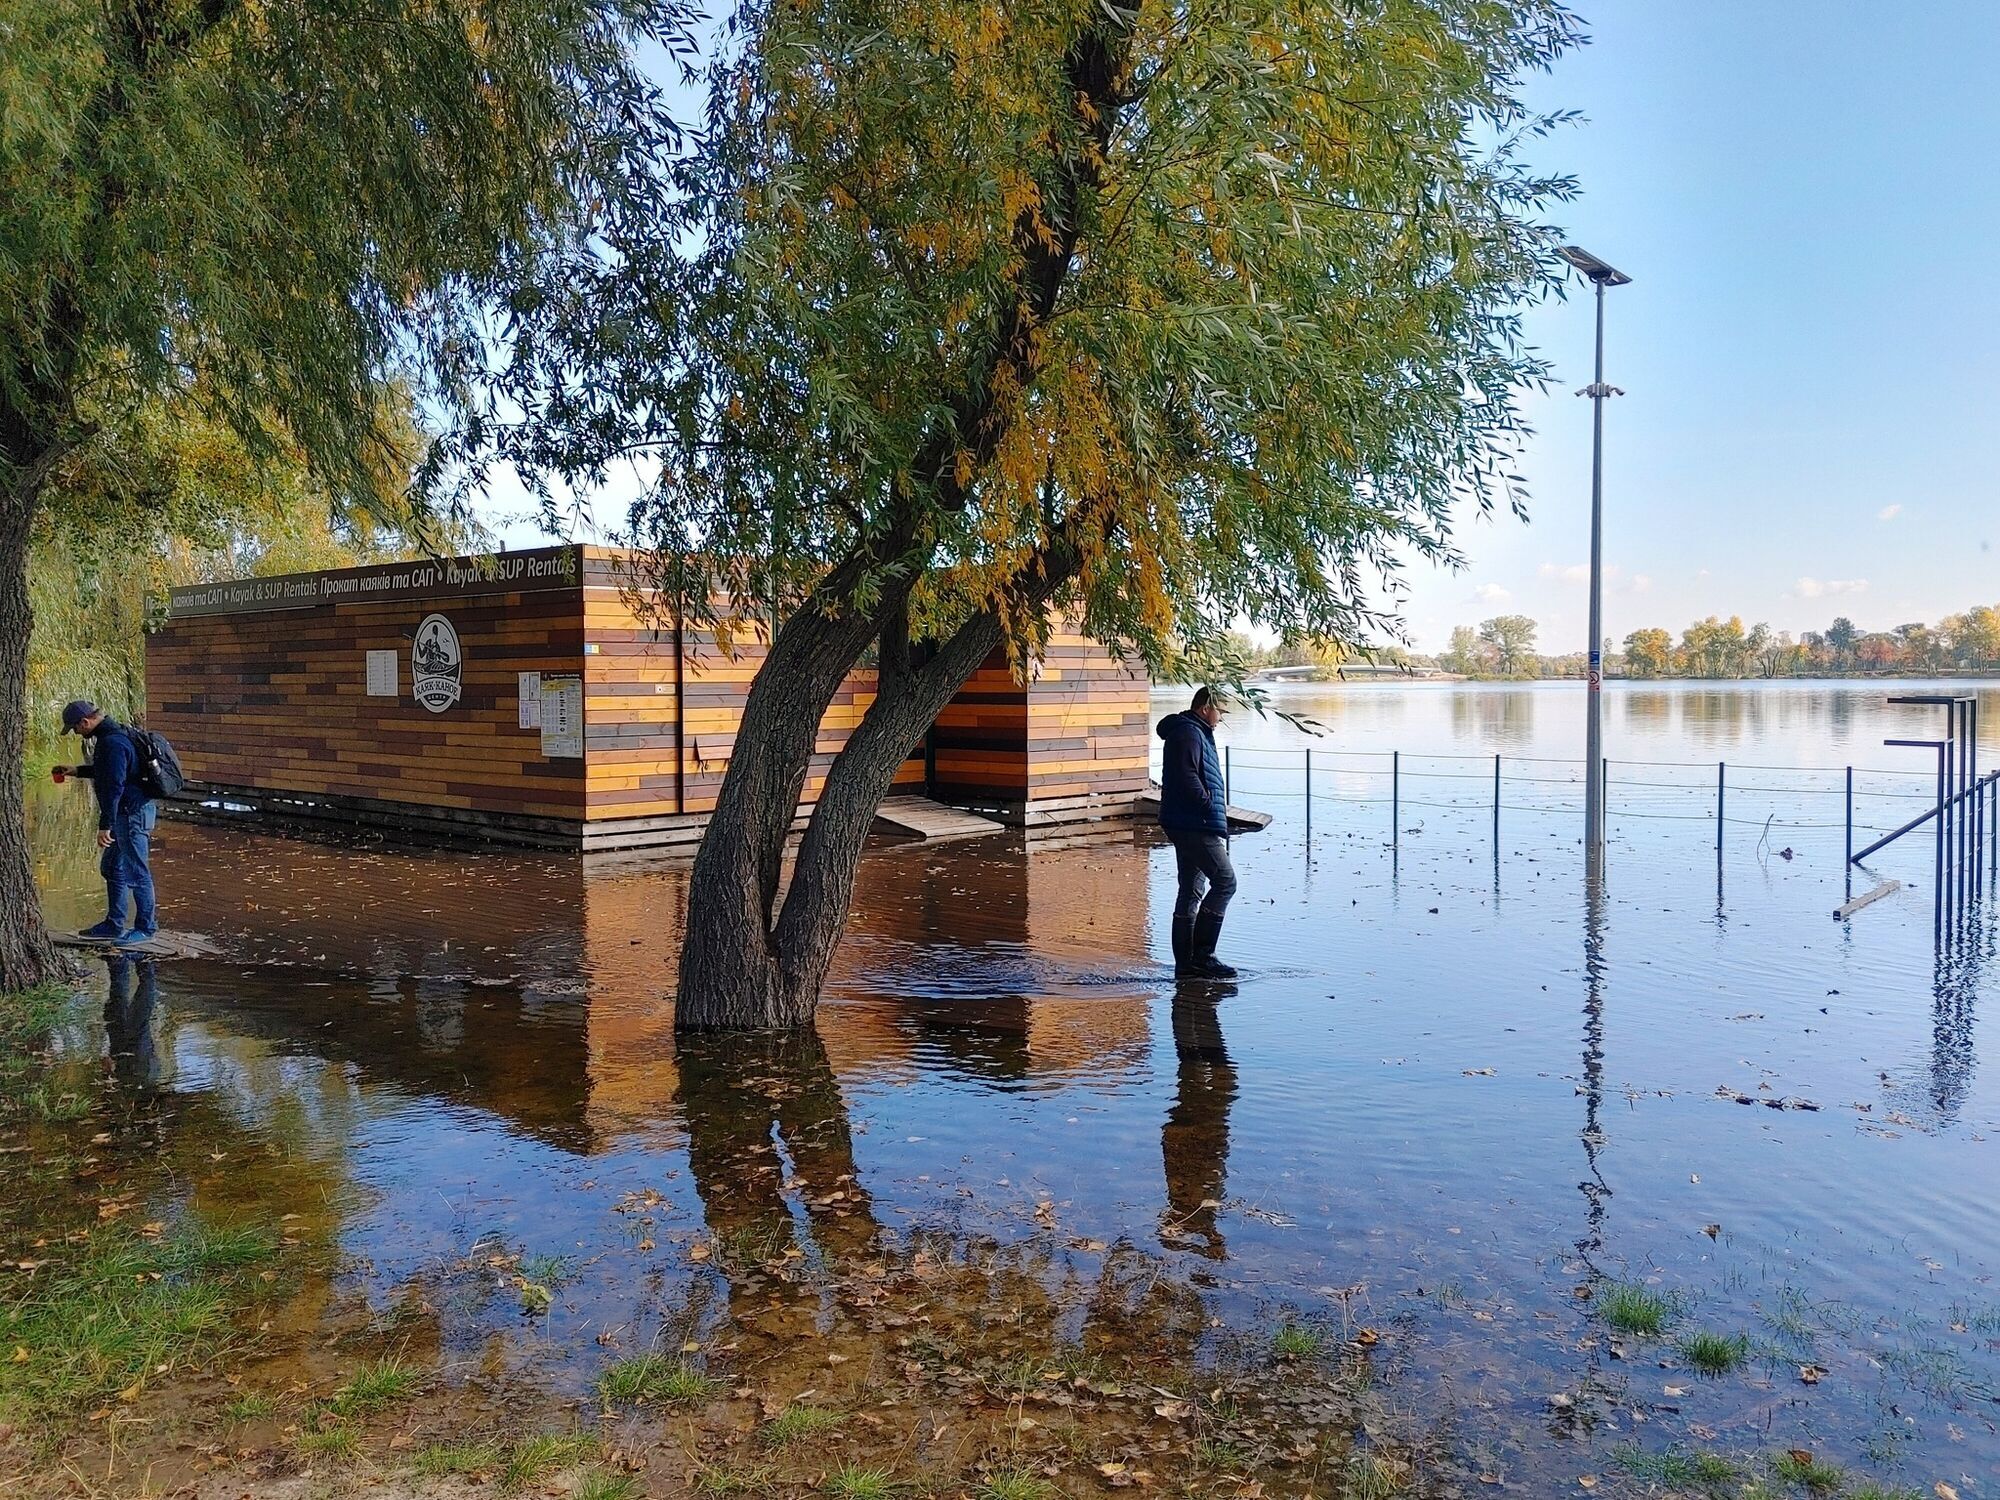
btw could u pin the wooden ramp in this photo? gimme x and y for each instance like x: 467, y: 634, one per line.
x: 164, y: 944
x: 921, y: 818
x: 1241, y: 819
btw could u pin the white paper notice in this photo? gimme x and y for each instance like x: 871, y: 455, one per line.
x: 531, y: 700
x: 562, y: 715
x: 381, y: 674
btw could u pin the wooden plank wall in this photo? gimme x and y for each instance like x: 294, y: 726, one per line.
x: 276, y: 700
x: 1080, y: 729
x: 631, y: 692
x: 1089, y: 726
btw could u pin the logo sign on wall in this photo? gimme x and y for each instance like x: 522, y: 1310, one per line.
x: 436, y: 665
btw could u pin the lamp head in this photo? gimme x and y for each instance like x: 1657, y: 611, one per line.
x: 1598, y: 271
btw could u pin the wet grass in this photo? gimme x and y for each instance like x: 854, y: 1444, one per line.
x: 1371, y: 1478
x: 1631, y: 1308
x: 736, y: 1479
x: 1220, y: 1453
x: 251, y: 1406
x: 1715, y: 1354
x: 852, y: 1482
x: 127, y: 1312
x: 1014, y: 1484
x: 385, y: 1383
x: 30, y: 1018
x: 599, y: 1484
x: 1803, y: 1469
x: 439, y: 1460
x: 335, y: 1444
x: 655, y: 1378
x: 1296, y: 1341
x: 534, y: 1459
x: 1677, y: 1469
x: 796, y: 1423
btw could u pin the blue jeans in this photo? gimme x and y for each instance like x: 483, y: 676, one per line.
x: 127, y: 869
x: 1207, y: 878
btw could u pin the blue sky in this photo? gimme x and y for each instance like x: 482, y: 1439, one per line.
x: 1805, y: 197
x: 1804, y: 194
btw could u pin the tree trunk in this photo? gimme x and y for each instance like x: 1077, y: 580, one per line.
x: 731, y: 976
x: 27, y: 958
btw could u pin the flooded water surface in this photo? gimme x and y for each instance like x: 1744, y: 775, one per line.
x: 1461, y: 1109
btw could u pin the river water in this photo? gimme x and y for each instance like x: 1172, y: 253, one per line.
x: 1455, y: 1094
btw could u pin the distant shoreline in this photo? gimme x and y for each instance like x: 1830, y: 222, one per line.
x: 1401, y: 679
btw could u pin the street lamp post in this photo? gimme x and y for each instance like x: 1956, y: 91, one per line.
x: 1601, y: 276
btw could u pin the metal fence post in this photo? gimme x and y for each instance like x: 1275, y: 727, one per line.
x: 1850, y: 815
x: 1225, y: 773
x: 1395, y: 799
x: 1721, y: 793
x: 1496, y: 802
x: 1309, y: 791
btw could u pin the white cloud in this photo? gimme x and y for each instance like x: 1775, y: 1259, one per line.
x: 1702, y: 574
x: 1640, y: 583
x: 1817, y: 588
x: 1574, y: 573
x: 1888, y: 512
x: 1491, y: 593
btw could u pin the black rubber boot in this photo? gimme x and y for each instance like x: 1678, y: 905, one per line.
x: 1202, y: 962
x: 1183, y: 943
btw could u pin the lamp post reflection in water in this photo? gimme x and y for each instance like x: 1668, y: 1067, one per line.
x: 1596, y: 1191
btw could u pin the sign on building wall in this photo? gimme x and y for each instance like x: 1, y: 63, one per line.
x: 437, y: 668
x: 562, y: 714
x: 381, y: 674
x: 513, y: 572
x: 530, y: 700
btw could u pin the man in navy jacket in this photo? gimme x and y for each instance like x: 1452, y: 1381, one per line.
x: 125, y: 815
x: 1193, y: 813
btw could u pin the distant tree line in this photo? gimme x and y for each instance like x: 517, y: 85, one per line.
x: 1968, y: 642
x: 1504, y: 647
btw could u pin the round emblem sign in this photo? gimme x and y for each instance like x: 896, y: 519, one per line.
x: 436, y: 666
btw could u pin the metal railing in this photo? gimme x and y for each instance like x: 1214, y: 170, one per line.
x: 1873, y: 804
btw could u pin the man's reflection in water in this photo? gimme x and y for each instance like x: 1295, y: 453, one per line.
x: 1194, y: 1142
x: 129, y: 1012
x: 773, y: 1162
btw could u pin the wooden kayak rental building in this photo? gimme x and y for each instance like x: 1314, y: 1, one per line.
x: 521, y: 698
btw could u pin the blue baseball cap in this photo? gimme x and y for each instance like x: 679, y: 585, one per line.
x: 75, y: 712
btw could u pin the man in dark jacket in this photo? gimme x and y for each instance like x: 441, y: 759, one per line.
x: 125, y: 817
x: 1193, y: 813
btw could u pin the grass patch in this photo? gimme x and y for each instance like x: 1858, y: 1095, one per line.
x: 736, y: 1479
x: 128, y: 1311
x: 437, y: 1460
x: 1715, y: 1353
x: 1371, y: 1478
x: 544, y: 1454
x: 1295, y: 1341
x: 376, y: 1386
x: 251, y: 1406
x: 1220, y: 1453
x: 1677, y: 1469
x: 1632, y: 1308
x: 654, y: 1377
x: 797, y: 1422
x: 1821, y: 1478
x: 29, y: 1018
x: 600, y: 1484
x: 549, y: 1270
x: 1877, y: 1492
x: 1014, y: 1484
x: 851, y: 1482
x: 336, y: 1444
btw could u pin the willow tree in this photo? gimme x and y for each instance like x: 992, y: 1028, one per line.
x: 261, y: 208
x: 964, y: 312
